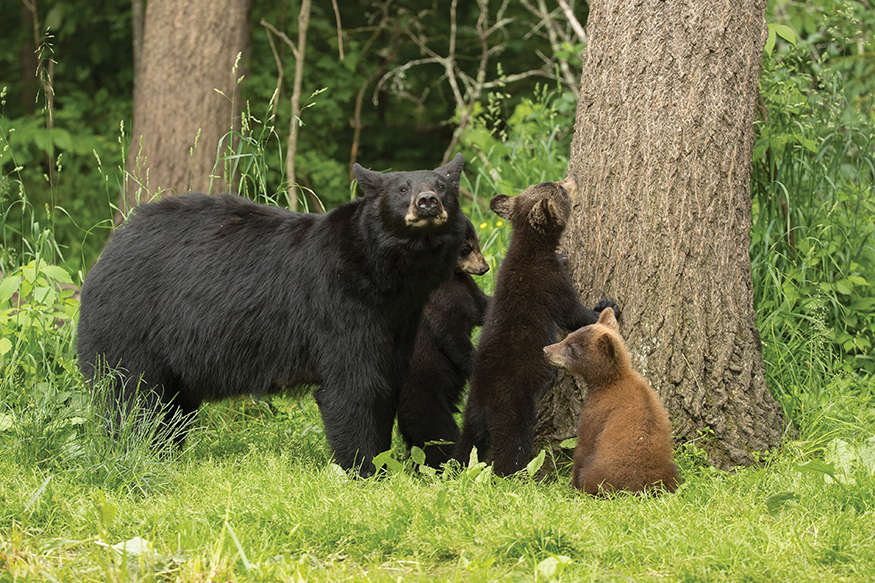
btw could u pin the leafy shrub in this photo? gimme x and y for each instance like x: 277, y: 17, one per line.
x: 813, y: 238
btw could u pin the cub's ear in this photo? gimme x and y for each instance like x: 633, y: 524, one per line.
x: 607, y: 347
x: 502, y: 205
x: 542, y: 214
x: 370, y: 182
x: 607, y: 318
x: 452, y: 169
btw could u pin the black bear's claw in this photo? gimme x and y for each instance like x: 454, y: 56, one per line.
x: 607, y: 303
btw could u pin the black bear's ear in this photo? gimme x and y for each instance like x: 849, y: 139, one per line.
x: 502, y: 205
x: 541, y: 214
x: 452, y: 169
x: 370, y: 182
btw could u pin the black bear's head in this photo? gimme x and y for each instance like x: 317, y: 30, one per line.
x: 544, y: 208
x: 418, y: 202
x: 470, y: 257
x: 596, y: 352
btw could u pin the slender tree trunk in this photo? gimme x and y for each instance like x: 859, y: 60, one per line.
x: 138, y: 23
x: 662, y: 149
x: 303, y: 24
x: 181, y: 121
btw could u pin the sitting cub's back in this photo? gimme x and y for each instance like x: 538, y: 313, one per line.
x: 624, y: 436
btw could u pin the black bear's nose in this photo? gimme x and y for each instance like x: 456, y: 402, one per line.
x: 428, y: 203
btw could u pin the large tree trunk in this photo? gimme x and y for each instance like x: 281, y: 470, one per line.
x: 662, y: 150
x: 188, y: 55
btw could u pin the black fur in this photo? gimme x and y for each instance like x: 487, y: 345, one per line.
x: 213, y: 296
x: 443, y: 358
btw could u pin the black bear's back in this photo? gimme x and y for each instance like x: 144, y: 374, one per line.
x: 188, y: 286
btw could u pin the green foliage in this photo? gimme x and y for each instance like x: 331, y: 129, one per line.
x: 253, y: 496
x: 505, y: 152
x: 813, y: 240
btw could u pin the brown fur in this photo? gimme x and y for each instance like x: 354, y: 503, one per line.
x: 624, y: 437
x: 533, y: 295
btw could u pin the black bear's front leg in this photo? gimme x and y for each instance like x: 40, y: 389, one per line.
x: 358, y: 419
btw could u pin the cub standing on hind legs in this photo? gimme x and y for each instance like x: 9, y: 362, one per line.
x: 624, y: 437
x: 443, y: 357
x: 533, y: 295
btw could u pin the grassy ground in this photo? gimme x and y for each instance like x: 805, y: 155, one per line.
x: 255, y: 498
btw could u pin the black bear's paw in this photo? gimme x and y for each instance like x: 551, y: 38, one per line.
x: 607, y: 303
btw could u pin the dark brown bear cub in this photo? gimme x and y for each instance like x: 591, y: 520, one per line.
x: 624, y: 437
x: 533, y: 295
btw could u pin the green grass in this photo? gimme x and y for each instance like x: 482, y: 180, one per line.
x: 255, y: 498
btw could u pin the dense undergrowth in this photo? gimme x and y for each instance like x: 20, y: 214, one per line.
x: 254, y: 495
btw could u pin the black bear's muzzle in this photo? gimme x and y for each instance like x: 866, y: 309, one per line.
x: 425, y: 209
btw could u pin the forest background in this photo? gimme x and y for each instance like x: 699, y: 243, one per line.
x: 66, y: 81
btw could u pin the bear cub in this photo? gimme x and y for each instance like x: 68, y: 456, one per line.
x: 533, y: 295
x: 443, y: 357
x: 624, y: 438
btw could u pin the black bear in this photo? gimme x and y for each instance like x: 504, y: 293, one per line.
x: 624, y: 437
x: 533, y: 294
x: 443, y: 357
x: 206, y: 297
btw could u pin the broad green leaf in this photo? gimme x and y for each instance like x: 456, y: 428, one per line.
x: 29, y: 272
x: 45, y: 295
x: 776, y: 502
x: 136, y: 547
x: 417, y: 455
x: 568, y: 443
x: 5, y: 346
x: 785, y: 32
x: 6, y: 420
x: 385, y: 459
x: 56, y: 273
x: 817, y: 467
x: 841, y: 456
x: 770, y: 42
x: 9, y: 286
x: 535, y: 465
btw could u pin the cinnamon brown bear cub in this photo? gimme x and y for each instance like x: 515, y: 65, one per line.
x: 624, y: 438
x: 533, y: 295
x: 443, y: 357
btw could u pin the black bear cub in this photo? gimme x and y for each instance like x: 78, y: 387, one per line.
x: 443, y: 357
x: 533, y: 295
x: 206, y: 297
x: 624, y: 437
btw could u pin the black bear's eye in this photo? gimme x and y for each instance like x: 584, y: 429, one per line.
x: 466, y: 250
x: 403, y: 190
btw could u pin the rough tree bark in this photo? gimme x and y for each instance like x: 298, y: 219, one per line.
x: 662, y: 149
x: 189, y: 52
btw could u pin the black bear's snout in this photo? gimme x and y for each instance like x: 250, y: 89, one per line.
x: 428, y: 203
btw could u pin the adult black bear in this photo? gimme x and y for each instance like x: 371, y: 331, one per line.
x: 212, y: 296
x: 624, y: 436
x: 443, y: 357
x: 533, y: 294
